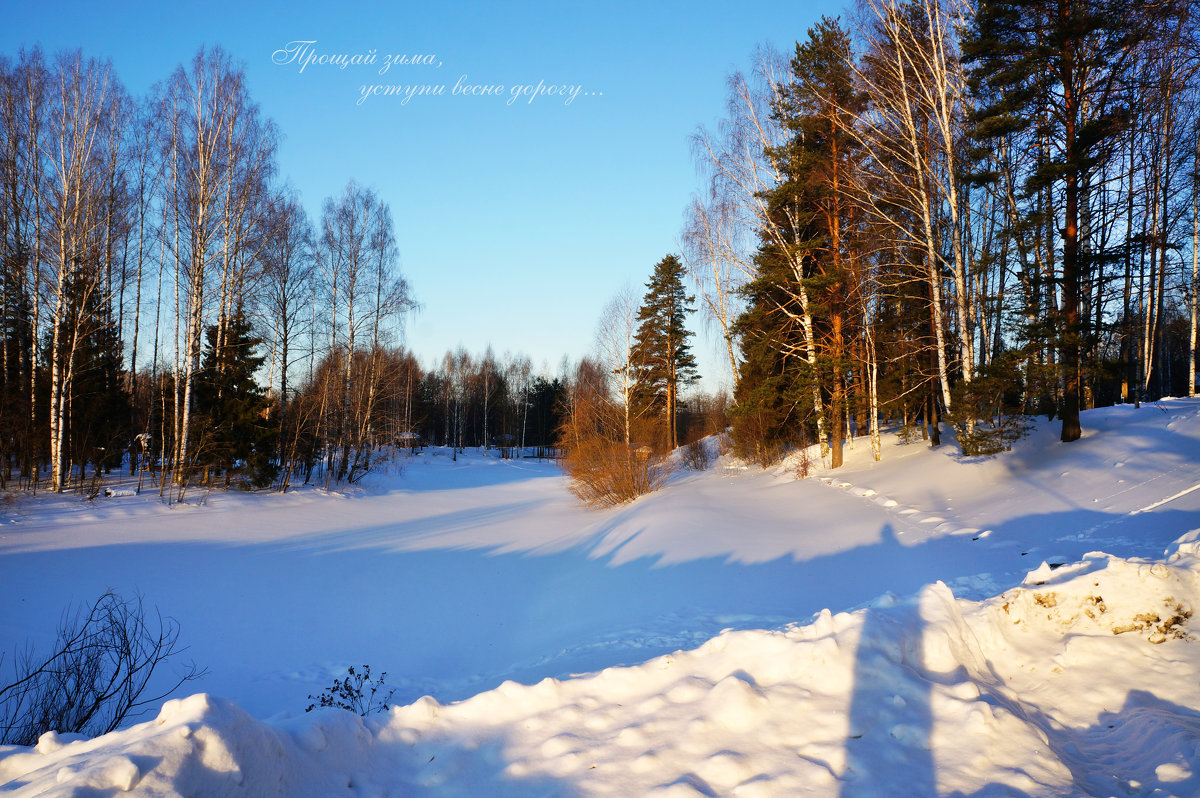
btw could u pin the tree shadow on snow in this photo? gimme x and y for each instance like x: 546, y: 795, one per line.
x: 1072, y: 533
x: 1150, y: 746
x: 1142, y: 437
x: 1147, y: 747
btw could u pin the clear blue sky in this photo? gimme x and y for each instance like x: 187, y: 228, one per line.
x: 516, y: 222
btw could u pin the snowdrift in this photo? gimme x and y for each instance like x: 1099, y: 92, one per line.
x: 966, y: 675
x: 1080, y: 681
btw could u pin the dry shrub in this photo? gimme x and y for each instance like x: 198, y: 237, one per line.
x: 755, y: 441
x: 803, y: 463
x: 96, y: 674
x: 605, y: 473
x: 695, y: 456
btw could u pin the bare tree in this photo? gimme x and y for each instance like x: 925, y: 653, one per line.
x: 615, y: 336
x: 80, y: 111
x: 288, y: 274
x: 916, y: 89
x: 219, y: 156
x: 101, y: 665
x: 367, y: 296
x: 717, y: 254
x: 1195, y: 264
x: 24, y: 91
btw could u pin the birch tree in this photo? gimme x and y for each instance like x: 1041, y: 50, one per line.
x: 916, y: 89
x: 288, y: 274
x: 744, y: 162
x: 79, y: 109
x: 616, y: 333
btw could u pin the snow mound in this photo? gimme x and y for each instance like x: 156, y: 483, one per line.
x: 1078, y: 682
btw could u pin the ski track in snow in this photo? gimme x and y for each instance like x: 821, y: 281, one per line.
x: 909, y: 519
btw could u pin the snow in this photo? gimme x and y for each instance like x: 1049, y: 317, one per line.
x: 929, y: 624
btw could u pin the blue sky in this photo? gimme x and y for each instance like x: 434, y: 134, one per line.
x: 518, y: 221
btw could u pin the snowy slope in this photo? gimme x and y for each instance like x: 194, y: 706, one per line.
x: 944, y: 668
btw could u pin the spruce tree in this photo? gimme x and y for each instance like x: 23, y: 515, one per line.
x: 661, y: 354
x: 99, y: 408
x: 236, y: 409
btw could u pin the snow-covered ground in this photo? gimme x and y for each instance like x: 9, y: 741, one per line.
x: 925, y: 625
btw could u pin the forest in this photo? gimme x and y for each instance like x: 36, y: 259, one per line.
x: 960, y: 213
x: 929, y: 213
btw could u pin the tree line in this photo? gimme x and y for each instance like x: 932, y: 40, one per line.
x: 954, y: 212
x: 166, y: 302
x: 941, y: 212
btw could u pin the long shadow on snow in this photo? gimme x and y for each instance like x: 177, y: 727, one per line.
x: 452, y: 623
x: 526, y: 617
x: 444, y: 474
x: 888, y: 750
x: 417, y: 534
x: 1148, y: 746
x: 1069, y: 535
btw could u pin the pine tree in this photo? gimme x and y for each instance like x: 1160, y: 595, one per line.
x: 1057, y: 74
x: 661, y: 354
x: 803, y: 303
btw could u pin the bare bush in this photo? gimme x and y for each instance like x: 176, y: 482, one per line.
x: 102, y: 663
x: 803, y: 463
x: 606, y: 473
x: 356, y: 692
x: 754, y: 441
x: 695, y: 456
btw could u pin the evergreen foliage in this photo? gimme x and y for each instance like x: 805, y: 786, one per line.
x: 805, y: 266
x: 661, y: 354
x: 985, y: 212
x: 1057, y: 76
x: 99, y: 410
x: 988, y: 415
x: 238, y: 434
x: 773, y: 401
